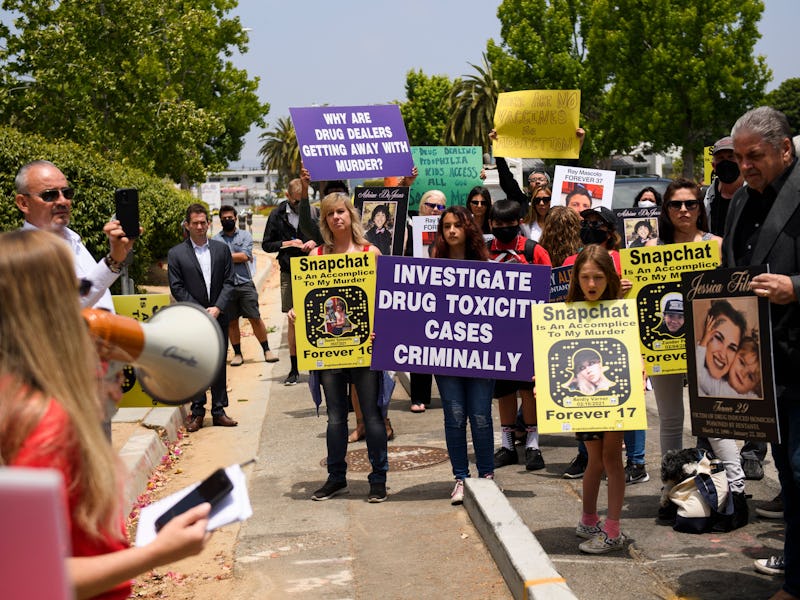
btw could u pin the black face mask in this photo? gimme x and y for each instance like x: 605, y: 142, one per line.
x: 590, y: 235
x: 727, y: 171
x: 228, y: 224
x: 506, y: 235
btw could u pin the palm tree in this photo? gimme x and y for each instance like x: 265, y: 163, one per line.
x: 471, y: 105
x: 280, y: 152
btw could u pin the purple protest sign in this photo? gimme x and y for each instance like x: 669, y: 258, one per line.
x: 456, y: 317
x: 351, y: 142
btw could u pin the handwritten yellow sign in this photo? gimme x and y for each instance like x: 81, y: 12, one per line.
x: 537, y: 124
x: 588, y: 367
x: 334, y: 299
x: 142, y: 308
x: 708, y: 155
x: 656, y: 275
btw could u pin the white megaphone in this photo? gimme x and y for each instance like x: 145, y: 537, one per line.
x: 176, y: 354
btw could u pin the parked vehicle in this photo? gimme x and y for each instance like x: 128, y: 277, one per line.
x: 626, y: 189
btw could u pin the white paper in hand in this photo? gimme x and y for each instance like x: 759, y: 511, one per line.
x: 234, y: 507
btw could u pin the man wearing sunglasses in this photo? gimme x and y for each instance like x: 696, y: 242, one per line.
x: 44, y: 197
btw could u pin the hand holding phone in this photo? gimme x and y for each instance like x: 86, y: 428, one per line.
x: 212, y: 490
x: 126, y: 203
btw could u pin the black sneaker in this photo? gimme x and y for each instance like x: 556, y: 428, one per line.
x: 635, y: 474
x: 534, y: 461
x: 772, y: 509
x: 504, y: 457
x: 752, y: 469
x: 292, y: 378
x: 330, y: 489
x: 576, y: 468
x: 377, y: 492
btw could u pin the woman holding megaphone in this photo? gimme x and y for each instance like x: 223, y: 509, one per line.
x: 50, y: 417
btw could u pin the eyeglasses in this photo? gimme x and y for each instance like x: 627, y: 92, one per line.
x: 435, y: 206
x: 84, y: 287
x: 52, y: 195
x: 473, y: 202
x: 542, y: 200
x: 676, y: 205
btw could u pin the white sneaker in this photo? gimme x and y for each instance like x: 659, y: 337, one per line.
x: 601, y: 543
x: 587, y: 532
x: 457, y: 495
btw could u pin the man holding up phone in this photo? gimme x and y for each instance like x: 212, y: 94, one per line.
x: 45, y: 199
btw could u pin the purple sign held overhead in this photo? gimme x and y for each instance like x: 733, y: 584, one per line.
x: 457, y: 317
x: 352, y: 142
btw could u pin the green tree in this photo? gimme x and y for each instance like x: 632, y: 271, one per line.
x: 786, y: 98
x: 279, y: 151
x: 679, y: 72
x: 471, y: 107
x: 542, y: 48
x: 149, y: 84
x: 425, y: 111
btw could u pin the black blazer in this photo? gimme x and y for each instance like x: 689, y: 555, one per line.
x: 779, y: 247
x: 186, y: 279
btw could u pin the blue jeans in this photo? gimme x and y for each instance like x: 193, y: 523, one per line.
x: 334, y: 384
x: 468, y: 398
x: 787, y: 461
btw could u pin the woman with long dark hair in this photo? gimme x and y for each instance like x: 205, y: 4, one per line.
x: 465, y: 398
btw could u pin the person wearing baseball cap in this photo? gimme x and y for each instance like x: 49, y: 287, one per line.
x: 728, y: 179
x: 672, y: 317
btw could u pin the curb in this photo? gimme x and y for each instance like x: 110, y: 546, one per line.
x: 143, y: 452
x: 520, y: 558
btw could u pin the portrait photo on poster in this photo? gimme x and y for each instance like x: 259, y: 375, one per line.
x: 638, y: 225
x: 383, y: 213
x: 592, y: 372
x: 337, y: 316
x: 727, y: 349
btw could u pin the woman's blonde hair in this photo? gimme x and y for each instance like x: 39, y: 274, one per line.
x: 327, y: 206
x: 46, y: 354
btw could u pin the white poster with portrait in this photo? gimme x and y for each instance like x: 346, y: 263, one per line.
x: 582, y: 188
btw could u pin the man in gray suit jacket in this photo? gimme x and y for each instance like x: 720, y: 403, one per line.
x: 763, y: 227
x: 201, y: 272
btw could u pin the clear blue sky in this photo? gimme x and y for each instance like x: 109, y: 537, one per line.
x: 358, y: 52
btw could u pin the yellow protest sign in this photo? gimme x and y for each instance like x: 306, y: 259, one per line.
x: 588, y: 367
x: 708, y: 155
x: 537, y: 124
x: 334, y: 300
x: 656, y: 275
x: 142, y: 308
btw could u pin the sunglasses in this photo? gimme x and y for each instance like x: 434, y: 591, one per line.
x: 690, y: 205
x: 475, y: 203
x: 435, y: 206
x: 52, y: 195
x: 542, y: 200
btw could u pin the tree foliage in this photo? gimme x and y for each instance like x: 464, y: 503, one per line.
x: 786, y: 98
x: 280, y: 151
x: 161, y: 206
x: 150, y: 84
x: 666, y: 73
x: 679, y: 73
x: 471, y: 105
x: 425, y: 112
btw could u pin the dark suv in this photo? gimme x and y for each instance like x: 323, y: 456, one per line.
x: 626, y: 189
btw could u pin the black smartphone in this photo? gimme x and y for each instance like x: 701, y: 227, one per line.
x: 212, y: 490
x: 126, y: 203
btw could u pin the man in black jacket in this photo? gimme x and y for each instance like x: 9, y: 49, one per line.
x: 201, y: 272
x: 283, y: 235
